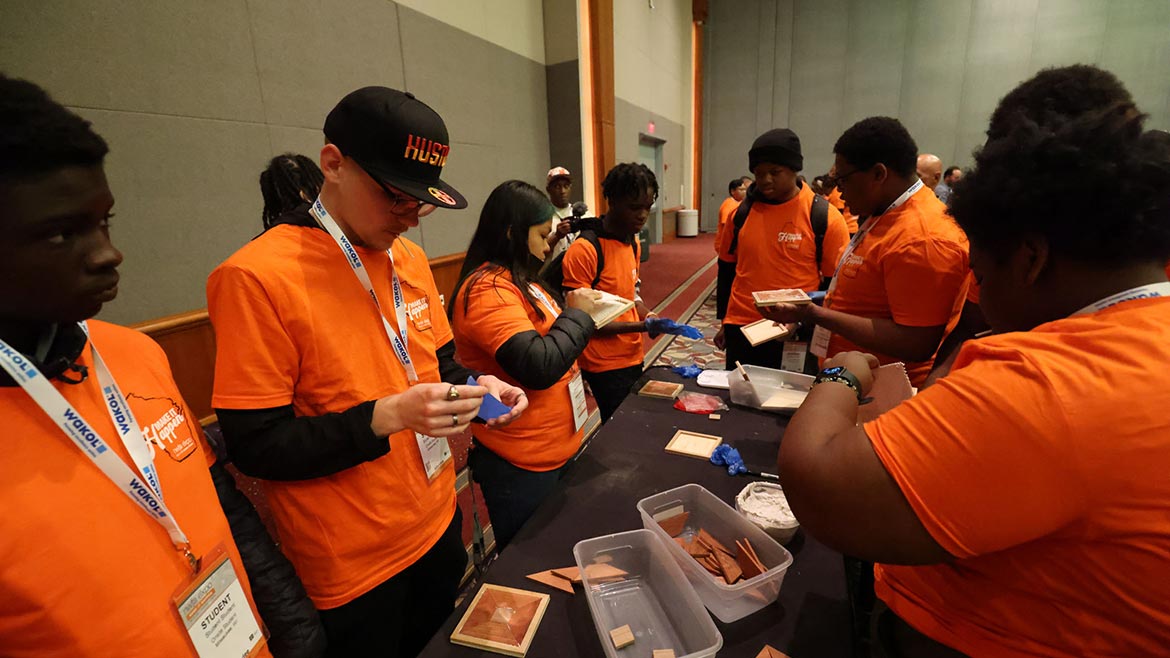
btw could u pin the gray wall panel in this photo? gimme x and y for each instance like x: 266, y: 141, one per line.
x: 932, y: 75
x: 564, y: 122
x: 940, y: 67
x: 820, y: 53
x: 998, y: 57
x: 195, y: 99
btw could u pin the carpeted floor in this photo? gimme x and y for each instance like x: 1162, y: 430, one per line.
x: 700, y: 352
x: 672, y: 263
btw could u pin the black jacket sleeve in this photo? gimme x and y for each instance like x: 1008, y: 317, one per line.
x: 280, y: 597
x: 276, y: 444
x: 450, y: 370
x: 536, y: 361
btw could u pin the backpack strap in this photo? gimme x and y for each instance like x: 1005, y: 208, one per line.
x: 592, y: 238
x: 740, y: 218
x: 819, y: 218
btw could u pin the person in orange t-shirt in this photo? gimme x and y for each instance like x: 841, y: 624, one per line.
x: 1020, y: 506
x: 510, y: 324
x: 612, y: 362
x: 736, y: 190
x: 336, y: 381
x: 776, y: 246
x: 87, y: 571
x: 900, y: 287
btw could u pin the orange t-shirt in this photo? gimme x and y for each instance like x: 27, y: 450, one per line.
x: 911, y: 268
x: 84, y: 571
x: 620, y: 277
x: 776, y: 250
x: 544, y: 437
x: 294, y: 326
x: 1041, y: 462
x: 837, y: 202
x: 726, y: 212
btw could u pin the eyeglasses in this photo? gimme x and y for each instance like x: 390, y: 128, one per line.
x: 835, y: 181
x: 400, y: 204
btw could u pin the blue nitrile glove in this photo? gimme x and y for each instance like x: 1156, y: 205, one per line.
x: 658, y: 326
x: 689, y: 372
x: 725, y: 455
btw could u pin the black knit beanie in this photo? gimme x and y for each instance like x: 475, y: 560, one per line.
x: 777, y: 146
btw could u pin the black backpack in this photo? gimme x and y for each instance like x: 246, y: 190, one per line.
x: 818, y: 217
x: 553, y: 273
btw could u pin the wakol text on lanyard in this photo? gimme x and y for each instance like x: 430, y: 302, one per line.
x: 1149, y: 291
x: 400, y: 340
x: 143, y: 487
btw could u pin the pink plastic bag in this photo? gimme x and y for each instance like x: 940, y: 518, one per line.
x: 699, y: 403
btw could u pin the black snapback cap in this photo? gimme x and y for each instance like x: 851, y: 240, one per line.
x: 397, y: 139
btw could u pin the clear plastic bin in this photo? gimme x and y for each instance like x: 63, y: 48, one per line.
x: 767, y: 389
x: 654, y: 598
x: 727, y: 602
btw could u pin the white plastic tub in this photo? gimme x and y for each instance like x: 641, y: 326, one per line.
x: 727, y: 602
x: 768, y: 389
x: 654, y: 598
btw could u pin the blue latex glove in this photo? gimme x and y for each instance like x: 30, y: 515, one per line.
x: 690, y: 372
x: 725, y: 455
x: 658, y: 326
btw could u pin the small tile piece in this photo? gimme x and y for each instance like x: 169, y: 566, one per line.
x: 769, y: 652
x: 663, y: 653
x: 697, y: 549
x: 747, y: 565
x: 675, y: 524
x: 707, y: 539
x: 714, y: 416
x: 548, y: 578
x: 622, y: 637
x: 731, y: 571
x: 571, y: 574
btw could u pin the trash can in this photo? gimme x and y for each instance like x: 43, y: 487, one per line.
x: 688, y: 223
x: 644, y: 238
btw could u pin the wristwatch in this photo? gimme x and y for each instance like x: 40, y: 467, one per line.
x: 841, y: 375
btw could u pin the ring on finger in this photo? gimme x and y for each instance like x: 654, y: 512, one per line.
x: 453, y: 393
x: 454, y: 420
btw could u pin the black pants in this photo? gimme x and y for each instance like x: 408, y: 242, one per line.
x: 397, y: 618
x: 724, y: 278
x: 737, y: 348
x: 512, y: 493
x: 611, y: 387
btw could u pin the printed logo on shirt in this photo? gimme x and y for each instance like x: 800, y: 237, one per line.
x: 419, y: 313
x: 165, y: 426
x: 851, y: 265
x: 790, y: 237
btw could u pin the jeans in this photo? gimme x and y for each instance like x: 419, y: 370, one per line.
x: 511, y: 493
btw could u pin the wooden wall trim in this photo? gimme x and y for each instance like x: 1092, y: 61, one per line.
x: 173, y: 323
x: 604, y: 113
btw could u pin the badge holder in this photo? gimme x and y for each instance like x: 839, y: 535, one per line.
x: 213, y: 608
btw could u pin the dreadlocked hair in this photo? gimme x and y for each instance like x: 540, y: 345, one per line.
x: 629, y: 180
x: 290, y: 180
x: 38, y: 135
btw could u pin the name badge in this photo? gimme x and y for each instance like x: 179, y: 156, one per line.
x: 577, y: 399
x: 435, y: 451
x: 216, y: 613
x: 794, y: 356
x: 422, y: 322
x: 820, y: 342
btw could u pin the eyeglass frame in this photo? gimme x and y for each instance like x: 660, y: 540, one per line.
x: 835, y: 181
x: 397, y: 200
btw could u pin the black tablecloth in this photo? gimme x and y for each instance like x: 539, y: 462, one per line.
x: 624, y: 463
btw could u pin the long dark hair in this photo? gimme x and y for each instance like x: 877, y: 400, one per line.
x: 501, y: 240
x: 290, y: 180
